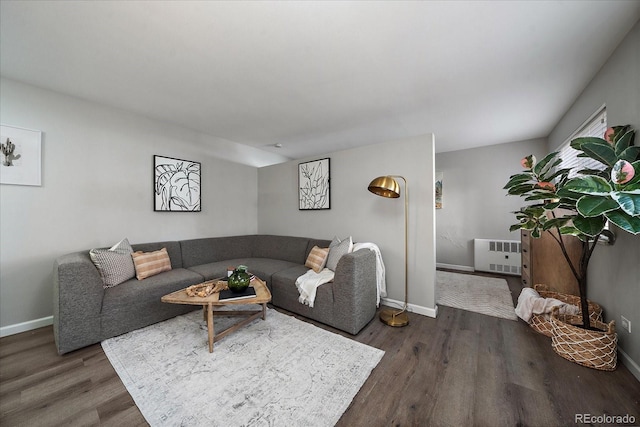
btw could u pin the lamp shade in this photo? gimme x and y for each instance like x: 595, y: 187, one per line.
x: 385, y: 186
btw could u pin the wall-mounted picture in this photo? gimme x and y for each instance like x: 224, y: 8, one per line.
x: 176, y: 185
x: 314, y: 189
x: 21, y: 156
x: 439, y: 190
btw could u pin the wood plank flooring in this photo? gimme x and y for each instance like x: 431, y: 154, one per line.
x: 461, y: 369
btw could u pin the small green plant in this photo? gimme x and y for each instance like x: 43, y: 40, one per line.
x: 581, y: 206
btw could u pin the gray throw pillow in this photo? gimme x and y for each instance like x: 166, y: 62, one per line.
x: 114, y: 264
x: 337, y: 249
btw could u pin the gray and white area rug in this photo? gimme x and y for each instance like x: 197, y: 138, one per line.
x: 485, y: 295
x: 276, y: 372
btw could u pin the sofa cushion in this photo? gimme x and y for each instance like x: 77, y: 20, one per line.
x: 151, y: 263
x: 114, y: 264
x: 287, y: 248
x: 135, y: 304
x: 214, y: 249
x: 216, y: 270
x: 285, y: 295
x: 264, y: 268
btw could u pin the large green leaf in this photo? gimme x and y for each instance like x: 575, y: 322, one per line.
x: 577, y: 143
x: 631, y: 154
x: 625, y: 141
x: 533, y: 211
x: 551, y: 206
x: 550, y: 161
x: 553, y: 175
x: 602, y: 153
x: 541, y: 195
x: 589, y: 226
x: 636, y: 176
x: 556, y: 222
x: 603, y: 173
x: 631, y: 187
x: 595, y: 205
x: 593, y: 185
x: 627, y: 222
x: 628, y: 201
x: 572, y: 231
x: 520, y: 189
x: 518, y: 179
x: 565, y: 193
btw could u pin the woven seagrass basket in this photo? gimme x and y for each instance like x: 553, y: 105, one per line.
x: 540, y: 322
x: 593, y: 349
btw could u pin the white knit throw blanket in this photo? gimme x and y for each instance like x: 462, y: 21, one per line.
x: 308, y: 283
x: 530, y: 303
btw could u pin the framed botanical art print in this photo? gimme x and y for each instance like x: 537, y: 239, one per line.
x: 21, y: 156
x: 176, y: 185
x: 314, y: 185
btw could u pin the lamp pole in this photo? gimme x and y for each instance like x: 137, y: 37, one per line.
x: 387, y: 186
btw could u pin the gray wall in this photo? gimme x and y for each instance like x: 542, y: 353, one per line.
x: 97, y: 188
x: 614, y: 271
x: 368, y: 218
x: 474, y: 204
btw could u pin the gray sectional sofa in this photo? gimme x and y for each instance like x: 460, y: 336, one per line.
x: 86, y: 313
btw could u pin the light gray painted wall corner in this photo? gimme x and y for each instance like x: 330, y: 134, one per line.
x: 356, y: 212
x: 97, y: 188
x: 474, y: 204
x: 614, y: 271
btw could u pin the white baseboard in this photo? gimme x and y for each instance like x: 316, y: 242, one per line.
x: 455, y: 267
x: 413, y: 308
x: 631, y: 365
x: 25, y: 326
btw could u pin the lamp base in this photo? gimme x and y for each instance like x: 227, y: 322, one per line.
x: 394, y: 317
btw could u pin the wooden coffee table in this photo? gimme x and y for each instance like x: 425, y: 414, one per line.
x: 263, y: 296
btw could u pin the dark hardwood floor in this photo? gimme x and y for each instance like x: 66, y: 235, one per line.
x: 461, y: 369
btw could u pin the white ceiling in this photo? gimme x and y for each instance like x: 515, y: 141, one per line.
x: 322, y: 76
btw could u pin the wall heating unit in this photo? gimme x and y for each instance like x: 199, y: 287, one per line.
x: 497, y: 256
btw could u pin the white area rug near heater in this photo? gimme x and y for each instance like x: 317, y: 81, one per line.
x: 485, y: 295
x: 276, y: 372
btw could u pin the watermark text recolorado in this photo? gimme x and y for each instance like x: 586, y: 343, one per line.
x: 604, y: 419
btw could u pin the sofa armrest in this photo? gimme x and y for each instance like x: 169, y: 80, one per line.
x: 355, y: 290
x: 77, y: 301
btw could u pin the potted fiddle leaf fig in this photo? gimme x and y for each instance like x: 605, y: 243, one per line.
x: 580, y: 206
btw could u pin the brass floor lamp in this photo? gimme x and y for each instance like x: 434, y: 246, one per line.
x: 387, y: 186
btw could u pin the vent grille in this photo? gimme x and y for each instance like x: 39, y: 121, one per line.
x: 497, y: 256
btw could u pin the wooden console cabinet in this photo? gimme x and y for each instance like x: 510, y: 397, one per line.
x: 543, y: 262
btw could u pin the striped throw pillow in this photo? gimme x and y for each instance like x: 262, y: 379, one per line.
x: 317, y: 259
x: 114, y: 264
x: 151, y: 263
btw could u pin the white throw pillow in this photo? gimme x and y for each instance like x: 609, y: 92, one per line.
x: 337, y: 249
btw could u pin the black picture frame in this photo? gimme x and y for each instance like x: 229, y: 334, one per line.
x: 314, y: 185
x: 176, y: 185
